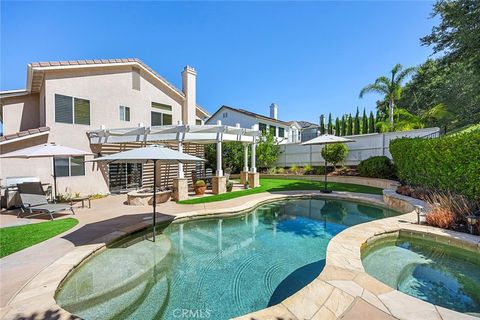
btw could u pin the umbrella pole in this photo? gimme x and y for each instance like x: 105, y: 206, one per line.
x: 154, y: 195
x: 325, y: 188
x: 54, y: 181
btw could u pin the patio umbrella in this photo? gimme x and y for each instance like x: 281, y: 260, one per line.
x: 44, y: 151
x: 326, y: 139
x: 150, y: 154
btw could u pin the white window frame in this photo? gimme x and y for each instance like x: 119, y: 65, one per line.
x: 69, y: 167
x: 125, y: 113
x: 73, y: 110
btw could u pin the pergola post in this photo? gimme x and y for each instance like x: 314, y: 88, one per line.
x: 180, y: 183
x: 219, y: 182
x: 254, y: 176
x: 244, y: 173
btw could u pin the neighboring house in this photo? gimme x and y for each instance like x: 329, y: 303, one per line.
x: 65, y: 99
x: 308, y: 130
x: 284, y: 131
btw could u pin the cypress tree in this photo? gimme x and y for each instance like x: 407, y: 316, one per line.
x: 371, y: 123
x: 344, y: 126
x: 350, y: 125
x: 364, y: 122
x: 356, y: 128
x: 330, y: 124
x: 322, y: 124
x: 337, y: 127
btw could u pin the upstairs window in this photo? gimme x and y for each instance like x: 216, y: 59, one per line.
x: 225, y: 115
x: 273, y: 130
x: 162, y: 118
x: 72, y: 110
x: 124, y: 113
x: 198, y: 122
x: 281, y: 132
x: 262, y: 127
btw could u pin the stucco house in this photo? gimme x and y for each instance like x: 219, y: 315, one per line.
x: 64, y: 100
x: 285, y: 132
x: 308, y: 130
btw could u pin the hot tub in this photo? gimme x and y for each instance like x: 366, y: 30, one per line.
x: 429, y: 269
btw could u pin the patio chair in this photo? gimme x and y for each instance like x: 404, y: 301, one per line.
x: 31, y: 188
x: 36, y: 202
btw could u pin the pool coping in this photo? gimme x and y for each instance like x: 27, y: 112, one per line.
x: 341, y: 282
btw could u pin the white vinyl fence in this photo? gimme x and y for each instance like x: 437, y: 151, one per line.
x: 365, y: 146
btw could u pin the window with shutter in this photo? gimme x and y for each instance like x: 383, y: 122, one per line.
x: 82, y: 111
x: 63, y: 109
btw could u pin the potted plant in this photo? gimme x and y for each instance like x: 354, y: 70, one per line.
x: 229, y: 186
x: 246, y: 185
x: 200, y: 187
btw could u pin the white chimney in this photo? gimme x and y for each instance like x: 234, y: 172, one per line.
x: 189, y: 88
x: 274, y: 111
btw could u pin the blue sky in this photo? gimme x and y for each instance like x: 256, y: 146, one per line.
x: 308, y: 57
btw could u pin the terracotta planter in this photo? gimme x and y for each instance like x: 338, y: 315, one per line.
x: 200, y: 191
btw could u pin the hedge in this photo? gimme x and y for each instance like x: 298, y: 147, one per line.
x: 449, y: 163
x: 376, y: 167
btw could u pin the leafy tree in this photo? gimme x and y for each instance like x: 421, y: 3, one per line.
x: 455, y: 86
x: 322, y: 124
x: 267, y: 150
x: 330, y: 124
x: 364, y: 122
x: 389, y: 87
x: 457, y: 35
x: 344, y: 126
x: 337, y: 127
x: 404, y: 121
x: 356, y: 127
x: 371, y: 123
x: 334, y: 153
x: 232, y: 155
x: 350, y: 125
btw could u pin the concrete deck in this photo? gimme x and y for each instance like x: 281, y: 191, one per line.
x: 30, y: 277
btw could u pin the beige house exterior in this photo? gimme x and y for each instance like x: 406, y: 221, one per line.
x: 65, y: 100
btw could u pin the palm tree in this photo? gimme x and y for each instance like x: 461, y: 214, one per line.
x: 391, y: 87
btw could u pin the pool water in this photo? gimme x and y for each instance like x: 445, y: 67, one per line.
x: 440, y: 274
x: 214, y: 268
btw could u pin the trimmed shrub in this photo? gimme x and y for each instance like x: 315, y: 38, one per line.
x: 334, y: 153
x: 229, y: 186
x: 308, y: 169
x: 376, y: 167
x: 449, y: 163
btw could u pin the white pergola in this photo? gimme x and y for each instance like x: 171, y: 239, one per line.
x: 180, y: 134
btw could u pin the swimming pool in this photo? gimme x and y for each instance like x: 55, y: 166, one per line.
x: 444, y: 275
x: 213, y: 268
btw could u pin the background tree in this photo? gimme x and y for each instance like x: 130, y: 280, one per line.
x: 349, y: 125
x: 334, y: 153
x: 267, y: 150
x: 364, y: 122
x: 337, y: 127
x: 457, y: 35
x: 371, y: 123
x: 356, y: 123
x: 232, y: 154
x: 322, y: 124
x: 389, y: 87
x: 344, y: 126
x: 330, y: 124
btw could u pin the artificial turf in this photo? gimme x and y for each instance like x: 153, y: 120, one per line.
x: 267, y: 185
x: 16, y: 238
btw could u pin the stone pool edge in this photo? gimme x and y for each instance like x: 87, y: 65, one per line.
x: 344, y: 280
x: 327, y: 297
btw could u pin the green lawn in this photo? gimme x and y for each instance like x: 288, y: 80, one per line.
x: 13, y: 239
x: 285, y: 184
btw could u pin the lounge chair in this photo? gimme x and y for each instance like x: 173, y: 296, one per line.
x: 36, y: 202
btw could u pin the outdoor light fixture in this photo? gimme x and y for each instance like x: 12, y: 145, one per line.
x: 472, y: 220
x: 418, y: 210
